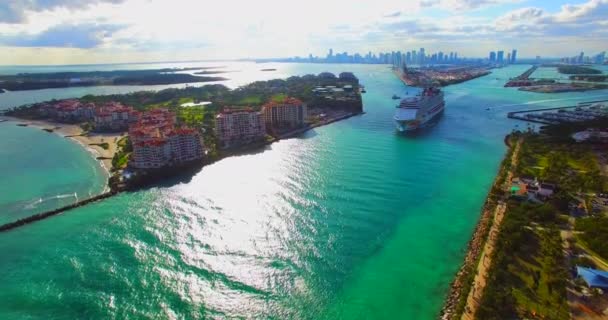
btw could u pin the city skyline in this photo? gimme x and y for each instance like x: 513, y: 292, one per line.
x: 421, y: 56
x: 108, y: 31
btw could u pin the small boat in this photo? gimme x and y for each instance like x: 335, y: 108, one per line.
x: 396, y: 97
x: 488, y: 109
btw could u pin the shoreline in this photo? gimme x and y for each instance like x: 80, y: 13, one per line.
x: 112, y: 192
x: 411, y: 83
x: 236, y: 151
x: 467, y: 280
x: 73, y: 132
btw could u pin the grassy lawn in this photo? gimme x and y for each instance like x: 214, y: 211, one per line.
x: 573, y: 166
x: 279, y: 97
x: 192, y: 116
x: 533, y: 274
x: 250, y: 100
x: 528, y: 274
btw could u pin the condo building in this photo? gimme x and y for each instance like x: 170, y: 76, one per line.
x: 157, y: 143
x: 114, y: 116
x: 234, y: 127
x: 287, y: 114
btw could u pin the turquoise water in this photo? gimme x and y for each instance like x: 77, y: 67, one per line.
x: 349, y: 221
x: 42, y: 171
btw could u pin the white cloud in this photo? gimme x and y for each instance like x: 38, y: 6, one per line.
x: 594, y: 9
x: 168, y: 29
x: 15, y: 11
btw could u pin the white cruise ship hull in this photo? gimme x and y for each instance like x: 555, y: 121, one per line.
x: 410, y: 123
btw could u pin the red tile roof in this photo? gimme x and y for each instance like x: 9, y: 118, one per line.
x: 286, y: 101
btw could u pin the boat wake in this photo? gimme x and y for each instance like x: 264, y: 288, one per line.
x: 551, y: 100
x: 35, y: 203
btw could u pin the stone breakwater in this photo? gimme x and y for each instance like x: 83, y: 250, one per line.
x: 44, y: 215
x: 458, y: 290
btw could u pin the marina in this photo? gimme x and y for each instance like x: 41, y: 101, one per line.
x: 584, y: 111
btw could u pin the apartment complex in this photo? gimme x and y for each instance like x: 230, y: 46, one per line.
x: 114, y: 116
x: 287, y: 114
x: 235, y: 127
x: 157, y: 143
x: 111, y: 116
x: 70, y: 110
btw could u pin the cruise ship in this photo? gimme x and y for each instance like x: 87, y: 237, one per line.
x: 416, y: 112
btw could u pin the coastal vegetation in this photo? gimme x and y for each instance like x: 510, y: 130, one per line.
x: 577, y: 70
x: 594, y: 234
x: 590, y: 78
x: 121, y: 157
x: 529, y: 273
x: 35, y: 81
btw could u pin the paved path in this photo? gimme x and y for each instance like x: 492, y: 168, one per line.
x: 479, y: 283
x: 480, y: 280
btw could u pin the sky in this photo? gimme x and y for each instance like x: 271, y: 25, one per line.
x: 111, y: 31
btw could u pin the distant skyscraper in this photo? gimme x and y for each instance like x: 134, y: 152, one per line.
x: 331, y: 53
x: 580, y: 57
x: 492, y: 56
x: 500, y: 57
x: 508, y: 57
x: 421, y: 56
x: 600, y: 58
x: 513, y: 56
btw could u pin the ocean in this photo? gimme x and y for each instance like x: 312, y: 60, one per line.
x: 347, y: 221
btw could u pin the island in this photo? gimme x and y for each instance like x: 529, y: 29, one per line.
x: 589, y: 77
x: 539, y: 248
x: 439, y: 75
x: 207, y: 72
x: 567, y: 69
x: 526, y: 83
x: 148, y: 136
x: 36, y: 81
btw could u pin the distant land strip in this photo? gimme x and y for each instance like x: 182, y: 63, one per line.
x: 36, y: 81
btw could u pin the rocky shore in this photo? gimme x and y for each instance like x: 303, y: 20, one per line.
x: 461, y: 285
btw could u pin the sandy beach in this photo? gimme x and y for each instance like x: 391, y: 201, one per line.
x: 74, y: 132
